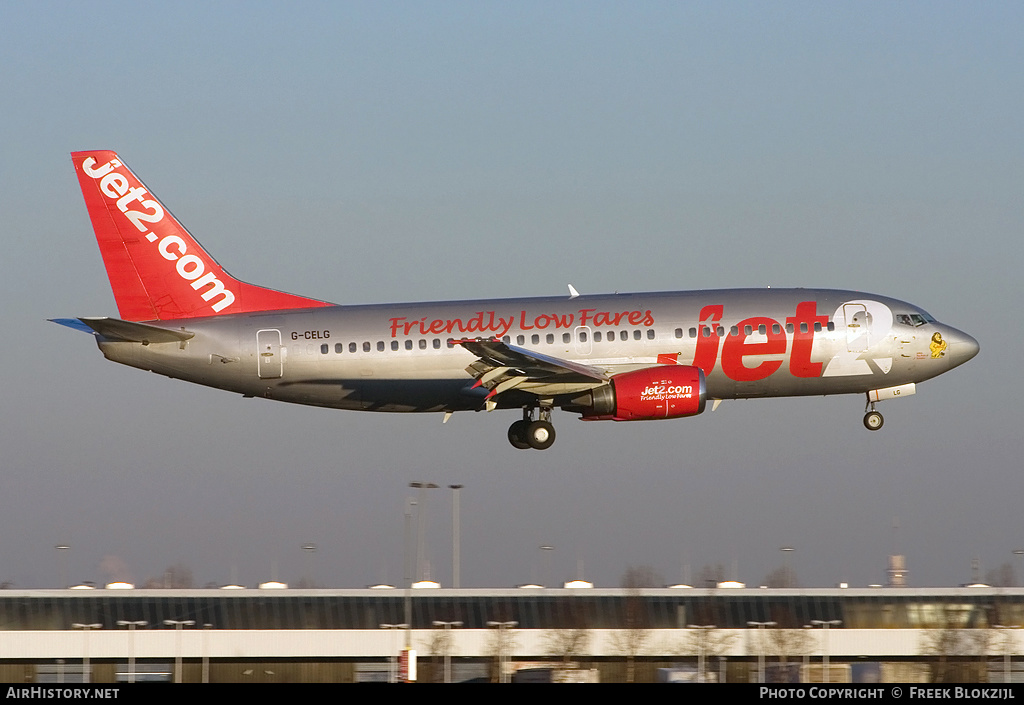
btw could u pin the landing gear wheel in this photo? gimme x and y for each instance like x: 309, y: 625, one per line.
x: 517, y: 434
x: 873, y: 421
x: 540, y: 435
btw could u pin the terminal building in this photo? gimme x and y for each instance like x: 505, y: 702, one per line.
x: 610, y: 635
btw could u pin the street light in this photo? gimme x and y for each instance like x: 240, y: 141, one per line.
x: 547, y: 549
x: 447, y: 646
x: 310, y: 549
x: 502, y: 627
x: 420, y: 520
x: 1008, y: 642
x: 86, y: 628
x: 825, y: 624
x: 62, y: 549
x: 178, y: 624
x: 786, y: 567
x: 455, y: 534
x: 701, y: 648
x: 131, y: 644
x: 760, y: 655
x: 393, y: 659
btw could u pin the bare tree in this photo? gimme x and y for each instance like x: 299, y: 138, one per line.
x: 784, y: 577
x: 1003, y: 576
x: 710, y: 575
x: 704, y: 644
x: 174, y: 576
x: 630, y: 640
x: 958, y: 652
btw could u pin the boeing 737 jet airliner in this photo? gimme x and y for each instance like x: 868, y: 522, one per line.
x: 621, y: 357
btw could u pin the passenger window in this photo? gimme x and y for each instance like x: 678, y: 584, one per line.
x: 776, y: 328
x: 366, y: 346
x: 831, y: 325
x: 423, y: 343
x: 535, y: 339
x: 734, y: 331
x: 789, y: 328
x: 437, y: 343
x: 650, y: 334
x: 817, y: 327
x: 550, y: 338
x: 636, y: 335
x: 624, y: 335
x: 597, y: 336
x: 380, y: 346
x: 583, y: 336
x: 324, y: 349
x: 408, y: 344
x: 506, y: 340
x: 803, y: 327
x: 339, y: 348
x: 693, y: 332
x: 520, y: 339
x: 679, y: 332
x: 394, y: 345
x: 351, y: 347
x: 747, y: 330
x: 566, y: 338
x: 762, y: 329
x: 450, y: 342
x: 721, y: 332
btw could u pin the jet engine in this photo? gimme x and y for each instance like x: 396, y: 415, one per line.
x: 662, y: 392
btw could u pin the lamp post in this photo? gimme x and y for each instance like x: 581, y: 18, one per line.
x: 1008, y: 642
x: 787, y: 569
x: 131, y: 644
x: 546, y: 550
x: 502, y: 628
x: 86, y: 628
x: 420, y: 521
x: 62, y: 549
x: 825, y: 624
x: 760, y: 653
x: 455, y: 535
x: 701, y: 648
x: 310, y: 549
x: 447, y: 646
x: 393, y: 659
x: 178, y: 624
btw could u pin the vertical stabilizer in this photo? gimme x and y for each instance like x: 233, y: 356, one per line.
x: 157, y: 270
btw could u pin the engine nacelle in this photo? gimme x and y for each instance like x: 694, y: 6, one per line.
x: 662, y: 392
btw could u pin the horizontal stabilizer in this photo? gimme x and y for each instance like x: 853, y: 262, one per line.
x: 116, y: 329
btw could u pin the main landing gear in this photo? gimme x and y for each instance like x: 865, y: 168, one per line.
x: 527, y: 433
x: 872, y: 419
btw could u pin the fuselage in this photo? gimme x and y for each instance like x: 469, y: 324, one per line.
x: 403, y: 358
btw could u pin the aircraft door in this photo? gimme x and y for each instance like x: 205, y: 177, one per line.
x: 858, y: 327
x: 270, y: 353
x: 584, y: 344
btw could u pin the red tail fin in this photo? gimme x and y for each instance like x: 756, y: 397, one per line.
x: 156, y: 268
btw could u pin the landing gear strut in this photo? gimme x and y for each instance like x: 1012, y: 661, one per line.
x: 527, y: 433
x: 872, y: 419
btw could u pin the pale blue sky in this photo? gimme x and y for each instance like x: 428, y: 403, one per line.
x: 369, y: 152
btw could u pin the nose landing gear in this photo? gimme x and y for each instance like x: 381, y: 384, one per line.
x: 872, y: 419
x: 527, y: 433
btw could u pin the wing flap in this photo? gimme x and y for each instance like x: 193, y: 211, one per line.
x: 501, y: 367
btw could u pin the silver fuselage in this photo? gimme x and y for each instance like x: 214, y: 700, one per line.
x: 399, y: 358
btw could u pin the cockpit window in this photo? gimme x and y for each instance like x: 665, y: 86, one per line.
x: 914, y: 319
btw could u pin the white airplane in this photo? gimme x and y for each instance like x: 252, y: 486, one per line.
x: 621, y: 357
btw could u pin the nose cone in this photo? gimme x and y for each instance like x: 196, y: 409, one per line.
x: 962, y: 347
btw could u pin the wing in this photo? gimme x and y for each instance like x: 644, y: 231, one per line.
x: 502, y: 367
